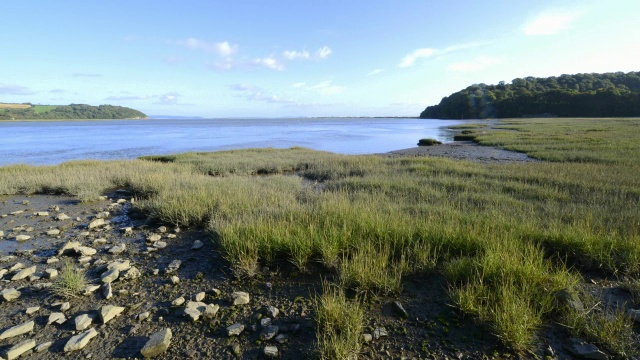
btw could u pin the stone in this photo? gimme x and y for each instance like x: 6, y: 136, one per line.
x: 199, y: 296
x: 53, y: 232
x: 84, y: 260
x: 153, y: 237
x: 41, y: 213
x: 100, y: 241
x: 65, y: 306
x: 19, y: 349
x: 160, y: 245
x: 158, y: 343
x: 175, y: 280
x: 366, y: 338
x: 399, y: 309
x: 211, y: 310
x: 50, y: 273
x: 31, y: 310
x: 118, y: 249
x: 380, y: 332
x: 80, y: 341
x: 197, y: 245
x: 107, y: 291
x: 194, y: 309
x: 9, y: 294
x: 120, y: 265
x: 271, y: 352
x: 162, y: 229
x: 56, y: 317
x: 17, y: 330
x: 269, y: 332
x: 42, y: 286
x: 21, y: 238
x: 584, y: 350
x: 62, y: 217
x: 1, y: 233
x: 173, y: 266
x: 83, y: 321
x: 126, y: 230
x: 96, y: 223
x: 90, y: 289
x: 270, y: 311
x: 44, y: 346
x: 3, y: 272
x: 179, y: 301
x: 18, y: 212
x: 84, y: 250
x: 282, y: 338
x: 52, y: 260
x: 240, y: 298
x: 110, y: 276
x: 171, y: 236
x: 143, y: 316
x: 102, y: 215
x: 67, y: 248
x: 24, y: 273
x: 235, y: 330
x: 131, y: 274
x: 264, y: 322
x: 7, y: 258
x: 108, y: 312
x: 16, y: 266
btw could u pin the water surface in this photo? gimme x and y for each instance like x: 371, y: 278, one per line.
x: 53, y: 142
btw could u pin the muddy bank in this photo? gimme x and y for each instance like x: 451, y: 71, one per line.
x: 465, y: 150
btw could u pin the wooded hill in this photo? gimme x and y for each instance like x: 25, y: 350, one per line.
x: 580, y: 95
x: 73, y: 111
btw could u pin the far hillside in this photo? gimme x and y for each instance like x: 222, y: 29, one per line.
x: 28, y: 111
x: 580, y: 95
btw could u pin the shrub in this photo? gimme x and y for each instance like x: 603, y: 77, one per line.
x: 70, y: 282
x: 428, y: 142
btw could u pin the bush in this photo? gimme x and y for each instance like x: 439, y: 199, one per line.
x: 428, y: 142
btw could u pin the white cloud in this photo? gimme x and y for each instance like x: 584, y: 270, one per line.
x: 477, y: 64
x: 223, y: 48
x: 254, y: 93
x: 327, y: 88
x: 170, y: 98
x: 410, y: 59
x: 293, y: 55
x: 15, y: 90
x: 375, y: 72
x: 269, y: 62
x: 550, y: 23
x: 324, y: 52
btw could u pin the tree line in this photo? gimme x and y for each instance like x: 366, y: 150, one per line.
x: 73, y: 111
x: 580, y: 95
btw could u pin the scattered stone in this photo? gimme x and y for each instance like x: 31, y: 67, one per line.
x: 96, y: 223
x: 107, y: 291
x: 584, y: 350
x: 42, y: 286
x: 271, y: 311
x: 17, y: 330
x: 194, y: 309
x: 68, y: 248
x: 271, y: 352
x: 157, y: 344
x: 24, y: 273
x: 265, y: 322
x: 100, y: 241
x: 65, y: 306
x: 80, y: 341
x: 126, y: 230
x: 173, y: 266
x: 162, y: 229
x: 83, y: 321
x: 175, y: 280
x: 282, y: 338
x: 102, y: 215
x: 21, y: 238
x: 211, y: 310
x: 366, y: 338
x: 240, y: 298
x: 84, y: 250
x: 399, y: 309
x: 197, y: 245
x: 19, y: 349
x: 153, y: 237
x: 56, y: 317
x: 31, y: 310
x: 41, y: 213
x: 1, y: 233
x: 44, y: 346
x: 120, y: 265
x: 90, y: 289
x: 50, y: 273
x: 171, y: 236
x: 199, y: 296
x: 235, y: 330
x: 118, y: 249
x: 160, y: 245
x: 143, y: 316
x: 131, y: 274
x: 53, y: 232
x: 16, y: 266
x: 108, y: 312
x: 7, y: 258
x: 179, y: 301
x: 110, y: 276
x: 380, y: 332
x: 84, y: 260
x: 52, y: 260
x: 269, y: 332
x: 84, y: 233
x: 17, y: 212
x: 62, y: 217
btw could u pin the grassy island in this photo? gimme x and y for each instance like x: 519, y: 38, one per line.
x: 28, y: 111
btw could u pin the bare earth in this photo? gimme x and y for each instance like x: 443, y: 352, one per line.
x: 465, y: 150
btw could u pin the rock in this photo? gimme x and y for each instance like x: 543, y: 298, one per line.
x: 24, y: 273
x: 50, y: 273
x: 96, y: 223
x: 126, y: 230
x: 56, y: 317
x: 211, y: 310
x: 9, y: 294
x: 102, y: 215
x: 110, y: 276
x: 120, y: 265
x: 197, y: 245
x: 17, y: 330
x: 41, y: 213
x: 90, y: 289
x: 107, y: 291
x: 270, y: 311
x: 131, y: 274
x: 269, y: 332
x: 177, y: 302
x: 53, y: 232
x: 282, y: 338
x: 264, y: 322
x: 84, y: 250
x: 16, y: 266
x: 399, y: 309
x: 153, y: 237
x: 199, y: 296
x: 80, y: 341
x: 162, y: 229
x: 173, y: 266
x: 42, y: 286
x: 31, y: 310
x: 52, y: 260
x: 100, y: 241
x: 18, y: 212
x: 240, y: 298
x: 68, y: 248
x: 108, y: 312
x: 194, y: 309
x: 19, y: 349
x: 21, y: 238
x: 235, y: 330
x: 44, y: 346
x: 160, y: 245
x: 1, y: 233
x: 7, y: 258
x: 157, y: 344
x: 143, y: 316
x: 175, y: 280
x: 584, y: 350
x: 380, y: 332
x: 118, y: 249
x: 570, y: 300
x: 83, y: 321
x: 271, y: 352
x: 171, y: 236
x: 366, y: 338
x: 62, y: 217
x: 65, y: 306
x: 84, y: 260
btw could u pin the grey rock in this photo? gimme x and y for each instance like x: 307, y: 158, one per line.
x: 84, y: 250
x: 68, y: 247
x: 158, y: 343
x: 90, y: 289
x: 366, y: 338
x: 41, y: 213
x: 194, y: 310
x: 22, y: 237
x: 96, y: 223
x: 131, y: 274
x: 179, y: 301
x: 271, y: 311
x: 153, y: 237
x: 240, y: 298
x: 1, y: 233
x: 282, y: 338
x: 211, y: 310
x: 17, y: 330
x: 51, y: 273
x: 265, y: 322
x: 56, y: 317
x: 197, y: 245
x: 52, y: 260
x: 175, y: 279
x: 9, y: 294
x: 199, y: 296
x: 162, y: 229
x: 31, y: 310
x: 19, y: 349
x: 107, y: 291
x: 271, y: 352
x: 634, y: 314
x: 235, y: 330
x: 173, y: 266
x: 83, y: 321
x: 3, y: 272
x: 62, y: 217
x: 380, y: 332
x: 65, y: 306
x: 53, y: 232
x: 143, y: 316
x: 44, y: 346
x: 118, y: 249
x: 584, y: 350
x: 110, y: 276
x: 108, y: 312
x: 80, y: 341
x: 17, y: 266
x: 269, y: 332
x: 120, y: 265
x: 160, y: 245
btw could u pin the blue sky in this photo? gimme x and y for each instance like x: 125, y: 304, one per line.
x: 299, y: 58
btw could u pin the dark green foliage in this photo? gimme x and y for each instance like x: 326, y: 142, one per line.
x: 581, y: 95
x: 73, y: 111
x: 428, y: 142
x: 464, y: 137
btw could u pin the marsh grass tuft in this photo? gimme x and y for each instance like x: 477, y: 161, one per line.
x: 340, y: 324
x: 70, y: 282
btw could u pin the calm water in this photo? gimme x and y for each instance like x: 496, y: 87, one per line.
x: 42, y: 143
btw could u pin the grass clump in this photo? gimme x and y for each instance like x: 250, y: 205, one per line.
x: 428, y: 142
x: 70, y: 282
x: 340, y: 325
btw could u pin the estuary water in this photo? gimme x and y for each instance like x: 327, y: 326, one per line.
x: 54, y: 142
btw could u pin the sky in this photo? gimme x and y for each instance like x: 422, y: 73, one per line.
x: 299, y: 58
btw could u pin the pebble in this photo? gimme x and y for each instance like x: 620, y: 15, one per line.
x: 158, y: 343
x: 22, y: 274
x: 44, y: 346
x: 271, y: 352
x: 21, y: 238
x: 56, y: 317
x: 9, y: 294
x: 19, y: 349
x: 31, y: 310
x: 17, y: 330
x: 197, y: 245
x: 240, y: 298
x: 83, y: 321
x: 235, y: 330
x: 175, y: 280
x: 179, y: 301
x: 80, y: 341
x: 108, y: 312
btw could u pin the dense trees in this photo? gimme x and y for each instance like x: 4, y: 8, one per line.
x: 73, y: 111
x: 580, y: 95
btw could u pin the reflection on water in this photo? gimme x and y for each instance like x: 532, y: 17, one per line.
x: 42, y: 143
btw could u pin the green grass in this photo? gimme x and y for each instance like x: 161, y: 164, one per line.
x: 508, y: 236
x: 39, y: 109
x: 70, y: 282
